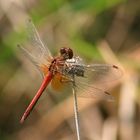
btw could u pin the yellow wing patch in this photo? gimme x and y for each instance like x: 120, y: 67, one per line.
x: 57, y: 83
x: 45, y: 69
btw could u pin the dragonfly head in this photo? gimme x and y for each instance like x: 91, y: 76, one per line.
x: 67, y: 53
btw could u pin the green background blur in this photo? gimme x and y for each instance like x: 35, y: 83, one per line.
x: 106, y: 31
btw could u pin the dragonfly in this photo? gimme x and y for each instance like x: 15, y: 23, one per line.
x: 67, y: 69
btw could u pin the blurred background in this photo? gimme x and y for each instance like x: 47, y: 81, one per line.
x: 97, y: 30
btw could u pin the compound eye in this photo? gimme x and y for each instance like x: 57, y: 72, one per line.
x: 62, y: 51
x: 70, y: 53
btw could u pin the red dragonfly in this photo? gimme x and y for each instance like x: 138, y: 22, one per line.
x: 67, y: 68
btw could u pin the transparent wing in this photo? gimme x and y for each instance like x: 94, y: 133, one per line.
x: 36, y: 40
x: 100, y: 74
x: 95, y: 79
x: 38, y: 53
x: 90, y: 91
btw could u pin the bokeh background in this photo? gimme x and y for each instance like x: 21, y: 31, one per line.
x: 106, y: 31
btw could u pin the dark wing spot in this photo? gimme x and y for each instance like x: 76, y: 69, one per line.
x: 106, y: 92
x: 114, y: 66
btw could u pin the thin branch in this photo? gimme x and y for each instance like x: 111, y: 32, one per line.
x: 76, y: 114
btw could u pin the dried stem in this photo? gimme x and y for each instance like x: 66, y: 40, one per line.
x: 76, y: 114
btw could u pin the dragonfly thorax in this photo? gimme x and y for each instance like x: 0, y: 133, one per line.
x: 77, y: 70
x: 75, y: 67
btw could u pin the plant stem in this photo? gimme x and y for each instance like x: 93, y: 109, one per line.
x: 76, y: 114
